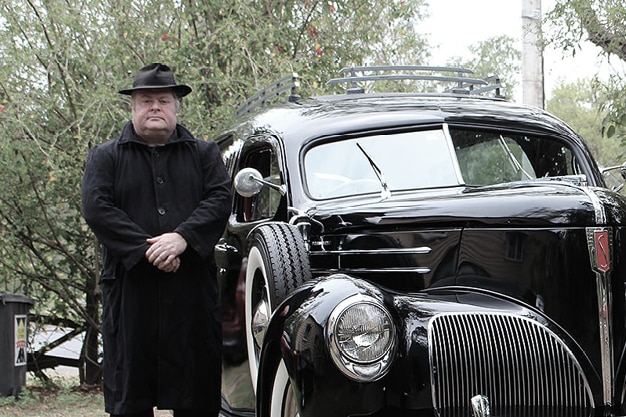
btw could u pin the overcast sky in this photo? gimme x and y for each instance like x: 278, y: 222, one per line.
x: 456, y: 24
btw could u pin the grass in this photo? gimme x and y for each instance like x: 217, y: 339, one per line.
x: 63, y: 396
x: 59, y: 397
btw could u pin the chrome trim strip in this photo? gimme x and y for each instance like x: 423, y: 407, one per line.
x: 455, y: 160
x: 382, y: 251
x: 603, y: 293
x: 597, y: 205
x: 418, y: 270
x: 603, y: 288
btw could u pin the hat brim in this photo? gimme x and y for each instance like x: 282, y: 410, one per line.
x: 181, y: 90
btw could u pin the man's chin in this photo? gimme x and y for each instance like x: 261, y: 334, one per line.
x: 153, y: 133
x: 156, y: 126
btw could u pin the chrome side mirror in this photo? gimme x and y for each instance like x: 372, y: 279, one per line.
x: 249, y: 182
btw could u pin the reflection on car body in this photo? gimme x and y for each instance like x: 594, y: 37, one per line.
x: 444, y: 253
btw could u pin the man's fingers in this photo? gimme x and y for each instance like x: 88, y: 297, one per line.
x: 169, y: 265
x: 159, y: 251
x: 164, y: 250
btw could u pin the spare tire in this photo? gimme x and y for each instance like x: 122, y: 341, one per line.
x: 278, y: 263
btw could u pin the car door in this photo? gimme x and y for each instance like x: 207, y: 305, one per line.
x: 262, y: 154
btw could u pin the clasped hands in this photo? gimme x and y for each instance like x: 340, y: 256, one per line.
x: 164, y: 251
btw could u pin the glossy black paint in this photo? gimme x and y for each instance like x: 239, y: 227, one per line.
x: 297, y: 125
x: 520, y: 248
x: 406, y: 390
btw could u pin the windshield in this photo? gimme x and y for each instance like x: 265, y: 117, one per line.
x: 339, y: 168
x: 428, y: 159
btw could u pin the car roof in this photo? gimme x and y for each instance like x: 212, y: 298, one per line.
x: 305, y: 119
x: 297, y: 123
x: 453, y: 96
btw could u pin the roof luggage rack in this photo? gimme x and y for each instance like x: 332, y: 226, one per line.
x: 288, y: 83
x: 461, y: 79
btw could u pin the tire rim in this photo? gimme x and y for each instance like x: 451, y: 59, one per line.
x: 260, y: 321
x: 260, y: 312
x: 257, y: 305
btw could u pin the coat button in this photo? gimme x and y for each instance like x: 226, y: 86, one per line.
x: 160, y: 180
x: 161, y: 211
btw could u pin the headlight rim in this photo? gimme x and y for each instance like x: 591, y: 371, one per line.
x: 361, y: 371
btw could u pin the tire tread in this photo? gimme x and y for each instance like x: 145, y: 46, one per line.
x: 288, y: 261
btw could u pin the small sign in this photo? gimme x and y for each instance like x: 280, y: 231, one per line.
x: 600, y: 244
x: 21, y: 324
x: 603, y: 253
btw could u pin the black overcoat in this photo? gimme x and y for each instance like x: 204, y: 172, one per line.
x: 161, y: 331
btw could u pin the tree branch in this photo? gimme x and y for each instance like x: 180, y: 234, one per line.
x: 599, y: 33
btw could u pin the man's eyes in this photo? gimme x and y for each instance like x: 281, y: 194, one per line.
x: 163, y: 102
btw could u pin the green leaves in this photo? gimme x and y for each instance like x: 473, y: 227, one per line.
x: 602, y: 23
x: 586, y: 113
x: 65, y: 60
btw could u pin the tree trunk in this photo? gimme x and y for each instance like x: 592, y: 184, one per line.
x: 91, y: 371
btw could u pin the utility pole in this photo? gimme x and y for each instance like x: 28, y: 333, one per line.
x: 532, y: 54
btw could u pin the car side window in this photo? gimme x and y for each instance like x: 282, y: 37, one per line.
x: 265, y: 204
x: 495, y: 161
x: 487, y: 158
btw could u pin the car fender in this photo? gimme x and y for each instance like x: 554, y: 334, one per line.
x: 312, y: 305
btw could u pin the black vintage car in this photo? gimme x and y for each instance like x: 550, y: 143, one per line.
x: 446, y: 253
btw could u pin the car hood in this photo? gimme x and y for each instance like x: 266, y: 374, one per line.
x: 528, y: 241
x: 529, y: 204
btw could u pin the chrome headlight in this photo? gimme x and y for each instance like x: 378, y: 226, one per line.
x: 361, y: 338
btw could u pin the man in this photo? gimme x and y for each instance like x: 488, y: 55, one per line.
x: 158, y: 200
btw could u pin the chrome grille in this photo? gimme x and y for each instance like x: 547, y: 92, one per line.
x: 518, y: 364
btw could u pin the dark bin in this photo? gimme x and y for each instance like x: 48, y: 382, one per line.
x: 13, y: 340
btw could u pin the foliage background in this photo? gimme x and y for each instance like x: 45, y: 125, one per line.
x: 63, y: 62
x: 602, y: 23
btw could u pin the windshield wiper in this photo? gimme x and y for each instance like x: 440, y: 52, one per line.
x: 384, y: 193
x: 514, y: 162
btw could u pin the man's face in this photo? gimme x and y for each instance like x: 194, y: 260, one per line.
x: 154, y: 115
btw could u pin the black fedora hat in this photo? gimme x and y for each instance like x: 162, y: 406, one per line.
x: 156, y: 76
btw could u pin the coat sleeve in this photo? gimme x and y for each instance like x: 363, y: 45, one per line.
x: 203, y: 228
x: 122, y: 237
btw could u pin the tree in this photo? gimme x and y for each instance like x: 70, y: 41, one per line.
x: 579, y: 105
x: 495, y: 56
x: 64, y: 60
x: 602, y: 23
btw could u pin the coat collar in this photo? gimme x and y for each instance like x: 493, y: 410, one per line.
x: 181, y: 134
